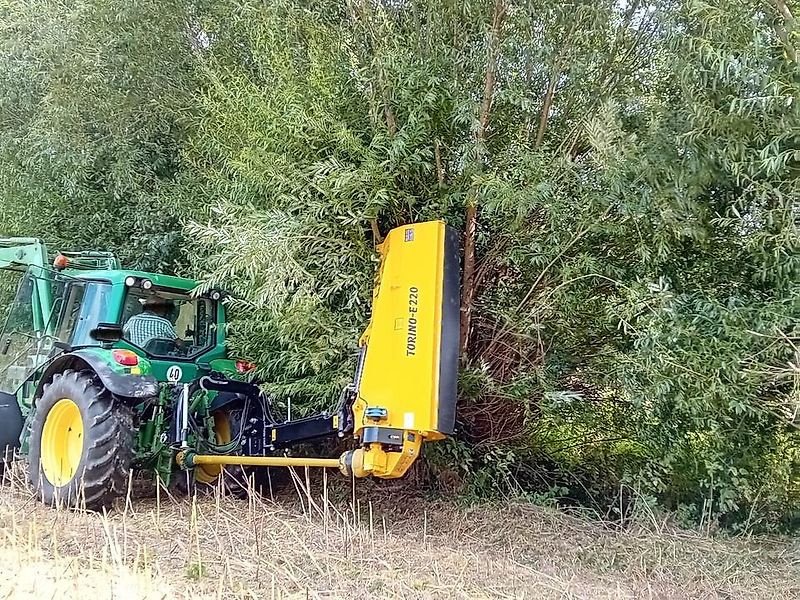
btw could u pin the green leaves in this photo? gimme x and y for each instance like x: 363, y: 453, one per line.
x: 89, y: 110
x: 635, y: 172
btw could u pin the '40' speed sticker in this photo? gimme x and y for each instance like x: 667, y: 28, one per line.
x: 174, y: 374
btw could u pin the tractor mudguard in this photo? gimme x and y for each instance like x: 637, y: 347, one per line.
x: 10, y: 424
x: 122, y: 385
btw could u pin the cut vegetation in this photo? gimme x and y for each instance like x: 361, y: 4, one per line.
x: 301, y: 546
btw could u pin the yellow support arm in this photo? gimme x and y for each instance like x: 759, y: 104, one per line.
x: 191, y: 460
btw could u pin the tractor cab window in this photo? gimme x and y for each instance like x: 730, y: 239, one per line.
x: 84, y: 309
x: 168, y: 325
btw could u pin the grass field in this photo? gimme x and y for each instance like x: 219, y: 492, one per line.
x: 305, y: 544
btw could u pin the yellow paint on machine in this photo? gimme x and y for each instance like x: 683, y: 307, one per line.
x: 259, y: 461
x: 407, y: 384
x: 403, y: 341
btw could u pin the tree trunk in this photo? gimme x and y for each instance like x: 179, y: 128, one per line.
x: 388, y: 111
x: 548, y: 103
x: 437, y: 153
x: 376, y: 231
x: 471, y: 221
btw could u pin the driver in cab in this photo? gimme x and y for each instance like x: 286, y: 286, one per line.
x: 152, y: 323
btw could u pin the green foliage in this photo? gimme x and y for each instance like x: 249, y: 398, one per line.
x: 91, y: 98
x: 635, y: 172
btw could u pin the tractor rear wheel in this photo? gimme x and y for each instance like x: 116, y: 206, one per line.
x: 81, y: 443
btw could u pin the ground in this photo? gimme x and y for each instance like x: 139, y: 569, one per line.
x: 302, y: 545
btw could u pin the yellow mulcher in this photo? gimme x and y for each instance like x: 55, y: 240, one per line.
x: 404, y: 392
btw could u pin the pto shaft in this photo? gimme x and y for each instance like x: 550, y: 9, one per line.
x: 190, y: 460
x: 374, y: 460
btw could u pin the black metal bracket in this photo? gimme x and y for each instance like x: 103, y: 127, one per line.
x: 283, y: 435
x: 266, y: 435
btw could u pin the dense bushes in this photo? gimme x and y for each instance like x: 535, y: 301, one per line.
x: 625, y: 175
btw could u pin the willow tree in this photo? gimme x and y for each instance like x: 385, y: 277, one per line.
x: 624, y: 176
x: 715, y: 360
x: 91, y: 101
x: 614, y: 167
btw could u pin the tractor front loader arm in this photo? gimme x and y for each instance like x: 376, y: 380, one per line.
x: 17, y: 254
x: 30, y: 254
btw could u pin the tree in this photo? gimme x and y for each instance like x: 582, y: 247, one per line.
x: 91, y: 103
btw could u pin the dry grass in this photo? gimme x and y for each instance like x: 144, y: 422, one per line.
x: 304, y: 546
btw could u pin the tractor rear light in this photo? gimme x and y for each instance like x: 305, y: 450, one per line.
x: 147, y: 284
x: 126, y: 358
x: 130, y: 281
x: 244, y: 366
x: 60, y: 262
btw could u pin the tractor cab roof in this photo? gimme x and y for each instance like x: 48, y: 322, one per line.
x: 118, y: 277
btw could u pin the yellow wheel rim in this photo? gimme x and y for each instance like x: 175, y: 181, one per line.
x: 222, y: 431
x: 62, y: 442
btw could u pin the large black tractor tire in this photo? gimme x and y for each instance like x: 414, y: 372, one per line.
x: 81, y: 443
x: 10, y: 428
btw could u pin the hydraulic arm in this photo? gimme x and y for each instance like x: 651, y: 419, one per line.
x: 404, y: 392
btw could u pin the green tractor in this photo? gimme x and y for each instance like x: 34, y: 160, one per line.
x: 106, y: 371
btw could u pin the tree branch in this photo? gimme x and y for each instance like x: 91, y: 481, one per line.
x: 376, y: 232
x: 388, y: 111
x: 437, y: 153
x: 549, y: 96
x: 548, y: 103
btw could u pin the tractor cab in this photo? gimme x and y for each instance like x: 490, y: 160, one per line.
x: 168, y: 323
x: 155, y: 316
x: 162, y: 319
